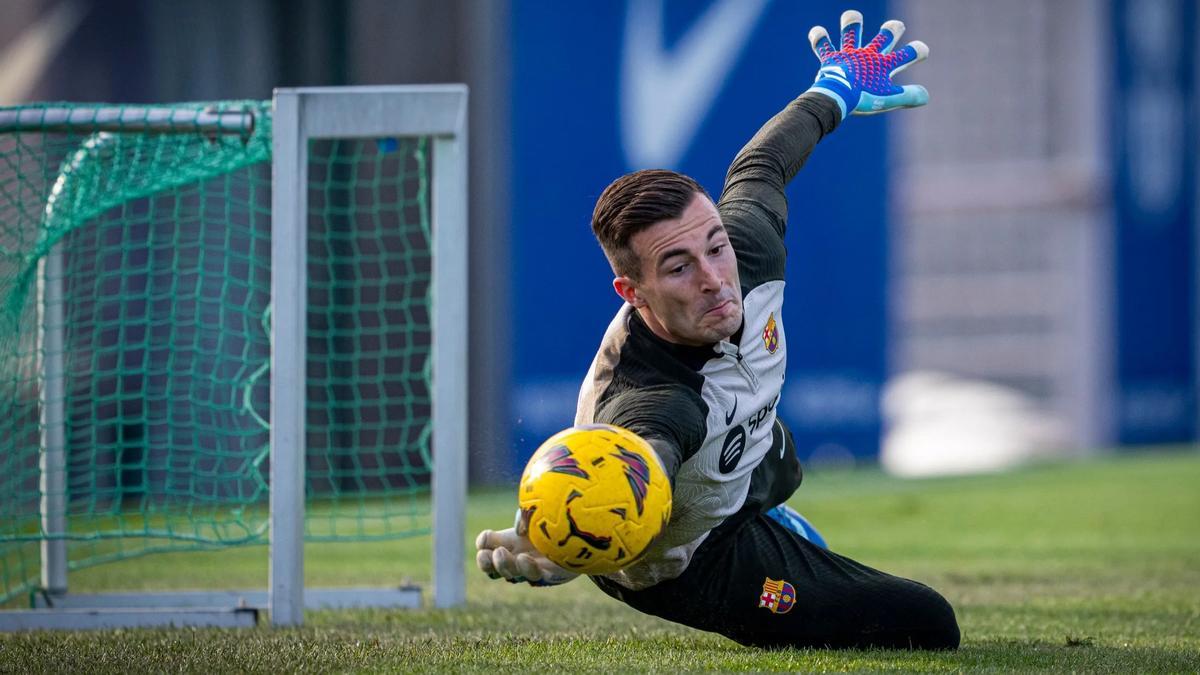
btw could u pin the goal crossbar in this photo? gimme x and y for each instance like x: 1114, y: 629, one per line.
x: 130, y: 119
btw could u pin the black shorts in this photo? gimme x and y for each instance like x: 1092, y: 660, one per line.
x: 758, y: 583
x: 762, y: 585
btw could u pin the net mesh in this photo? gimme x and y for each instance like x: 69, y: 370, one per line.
x: 164, y: 243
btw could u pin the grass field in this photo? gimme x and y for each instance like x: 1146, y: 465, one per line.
x: 1091, y: 566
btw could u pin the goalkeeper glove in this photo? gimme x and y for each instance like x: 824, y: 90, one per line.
x: 510, y: 555
x: 859, y: 78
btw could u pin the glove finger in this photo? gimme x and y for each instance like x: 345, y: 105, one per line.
x: 506, y: 566
x: 505, y: 563
x: 481, y: 540
x: 528, y: 567
x: 913, y: 52
x: 492, y: 539
x: 911, y: 96
x: 914, y: 96
x: 483, y: 560
x: 554, y: 574
x: 851, y: 29
x: 818, y: 37
x: 888, y: 35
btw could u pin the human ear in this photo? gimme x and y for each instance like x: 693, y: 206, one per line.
x: 625, y: 288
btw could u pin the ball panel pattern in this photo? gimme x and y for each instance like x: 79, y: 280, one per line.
x: 593, y: 498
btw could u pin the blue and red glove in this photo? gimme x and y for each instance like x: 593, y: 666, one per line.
x: 860, y: 78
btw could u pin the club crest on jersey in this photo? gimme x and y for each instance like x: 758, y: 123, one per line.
x: 777, y: 595
x: 770, y: 334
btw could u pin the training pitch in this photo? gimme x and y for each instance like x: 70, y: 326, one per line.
x: 1083, y: 566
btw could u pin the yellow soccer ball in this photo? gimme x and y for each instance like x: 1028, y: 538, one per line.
x: 593, y: 498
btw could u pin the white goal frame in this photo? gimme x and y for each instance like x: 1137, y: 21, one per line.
x: 301, y: 115
x: 438, y: 112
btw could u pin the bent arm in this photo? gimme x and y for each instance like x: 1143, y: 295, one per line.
x: 669, y: 417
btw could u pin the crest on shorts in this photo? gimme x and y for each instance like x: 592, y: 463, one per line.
x: 770, y: 334
x: 777, y: 596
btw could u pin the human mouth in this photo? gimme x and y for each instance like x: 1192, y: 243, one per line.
x: 720, y: 308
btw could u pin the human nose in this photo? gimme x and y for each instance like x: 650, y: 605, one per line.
x: 710, y: 278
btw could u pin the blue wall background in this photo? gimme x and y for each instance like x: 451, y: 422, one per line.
x: 567, y: 96
x: 1154, y: 204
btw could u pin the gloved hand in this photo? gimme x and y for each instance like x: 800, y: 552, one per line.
x: 509, y: 554
x: 860, y: 78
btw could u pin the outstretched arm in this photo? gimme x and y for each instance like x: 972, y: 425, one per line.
x: 851, y: 80
x: 755, y: 183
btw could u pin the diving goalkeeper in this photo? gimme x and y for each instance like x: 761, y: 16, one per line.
x: 694, y: 363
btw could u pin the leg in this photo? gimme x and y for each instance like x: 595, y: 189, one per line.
x: 761, y: 584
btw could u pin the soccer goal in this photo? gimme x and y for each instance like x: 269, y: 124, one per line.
x: 230, y: 324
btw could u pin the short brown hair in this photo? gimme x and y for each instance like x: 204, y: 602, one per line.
x: 633, y: 203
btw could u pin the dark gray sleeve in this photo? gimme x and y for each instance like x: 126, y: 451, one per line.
x: 670, y: 417
x: 753, y: 204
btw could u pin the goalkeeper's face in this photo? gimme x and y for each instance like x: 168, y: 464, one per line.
x: 688, y: 292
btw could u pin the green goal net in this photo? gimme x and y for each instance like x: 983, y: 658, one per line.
x: 135, y: 312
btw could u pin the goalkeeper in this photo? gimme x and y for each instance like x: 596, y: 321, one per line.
x: 694, y: 362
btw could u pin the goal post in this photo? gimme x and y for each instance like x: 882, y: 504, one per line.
x: 128, y: 420
x: 372, y: 112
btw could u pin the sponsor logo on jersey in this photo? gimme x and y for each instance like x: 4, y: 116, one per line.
x: 732, y: 449
x: 759, y: 417
x: 729, y: 415
x: 777, y: 595
x: 770, y: 335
